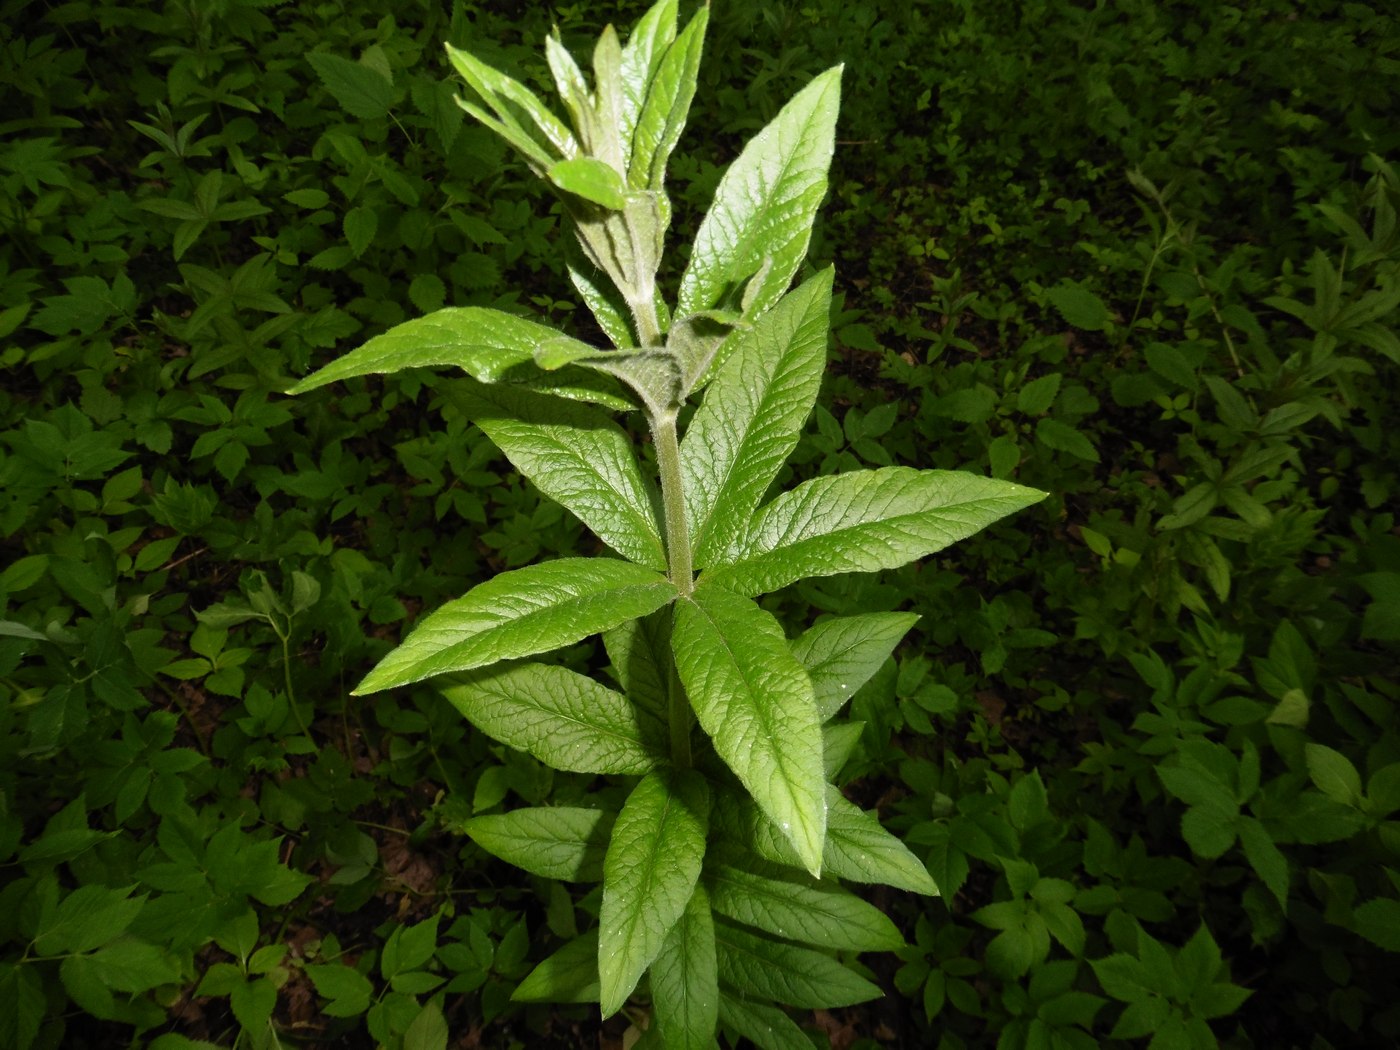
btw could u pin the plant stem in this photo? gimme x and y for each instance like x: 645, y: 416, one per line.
x: 668, y: 461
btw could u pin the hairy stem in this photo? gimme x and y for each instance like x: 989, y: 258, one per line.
x: 668, y: 460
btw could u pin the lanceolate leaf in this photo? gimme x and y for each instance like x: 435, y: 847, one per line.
x: 785, y: 904
x: 652, y: 865
x: 842, y: 653
x: 765, y: 204
x: 662, y: 117
x: 785, y: 973
x: 640, y: 654
x: 601, y: 298
x: 754, y: 700
x: 520, y: 613
x: 752, y: 414
x: 685, y: 980
x: 576, y: 456
x: 486, y: 344
x: 864, y: 521
x: 641, y: 56
x: 517, y: 107
x: 564, y: 719
x: 857, y: 848
x: 570, y: 975
x: 555, y: 842
x: 591, y: 179
x: 766, y: 1027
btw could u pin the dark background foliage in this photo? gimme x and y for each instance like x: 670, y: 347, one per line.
x: 1141, y: 255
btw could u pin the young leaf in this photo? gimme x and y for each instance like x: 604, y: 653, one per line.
x: 539, y: 135
x: 685, y: 980
x: 571, y: 87
x: 576, y: 456
x: 785, y: 973
x: 564, y: 719
x: 863, y: 521
x: 641, y: 56
x: 570, y: 975
x: 857, y: 848
x: 781, y: 903
x: 754, y: 700
x: 652, y: 865
x: 765, y: 205
x: 554, y: 842
x: 752, y: 414
x: 661, y: 118
x: 485, y: 343
x: 520, y: 613
x: 591, y: 179
x: 842, y: 653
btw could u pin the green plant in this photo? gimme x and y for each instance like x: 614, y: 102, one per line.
x: 712, y: 863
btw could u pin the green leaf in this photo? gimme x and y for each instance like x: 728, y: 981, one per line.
x: 428, y: 1031
x: 134, y: 966
x: 755, y: 701
x: 685, y: 980
x: 577, y: 457
x: 1079, y: 306
x: 762, y: 215
x: 784, y: 904
x: 563, y: 718
x: 862, y: 522
x: 652, y: 865
x: 591, y: 179
x: 638, y: 61
x: 348, y: 990
x: 310, y: 198
x: 1379, y: 922
x: 842, y: 653
x: 84, y: 985
x: 1265, y: 858
x: 488, y: 345
x: 640, y: 654
x: 520, y: 613
x: 1036, y: 397
x: 361, y: 91
x: 661, y: 117
x: 1062, y: 437
x: 88, y: 918
x: 252, y: 1004
x: 360, y: 226
x: 522, y: 119
x: 1124, y: 978
x: 22, y: 992
x: 751, y: 417
x: 1333, y: 774
x: 23, y: 573
x: 766, y: 1027
x: 602, y: 300
x: 409, y: 948
x: 857, y: 849
x: 427, y: 292
x: 785, y: 973
x: 555, y: 842
x: 570, y: 975
x: 1209, y: 831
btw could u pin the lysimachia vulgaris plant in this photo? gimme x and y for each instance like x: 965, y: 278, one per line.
x: 720, y: 901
